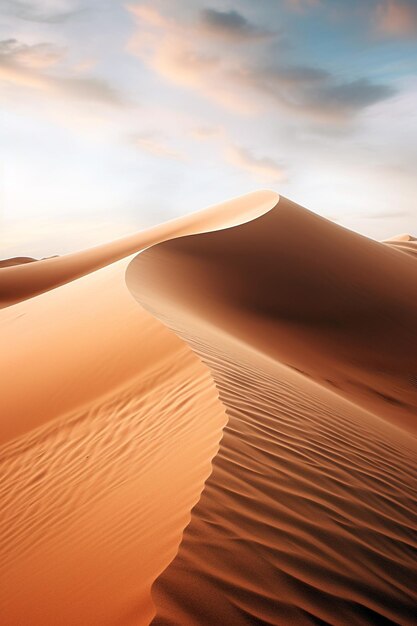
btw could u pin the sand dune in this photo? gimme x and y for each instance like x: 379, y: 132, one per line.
x: 309, y: 515
x: 25, y: 281
x: 293, y: 347
x: 16, y: 260
x: 337, y: 306
x: 98, y: 405
x: 404, y: 243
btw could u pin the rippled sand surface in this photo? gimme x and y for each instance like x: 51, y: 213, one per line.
x: 221, y: 430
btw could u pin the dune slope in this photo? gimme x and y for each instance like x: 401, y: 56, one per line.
x: 99, y: 402
x: 309, y: 515
x: 109, y: 424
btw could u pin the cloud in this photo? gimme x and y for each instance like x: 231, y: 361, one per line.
x: 229, y: 25
x: 167, y: 48
x: 349, y: 97
x: 46, y: 11
x: 37, y: 56
x: 202, y: 133
x: 28, y: 66
x: 312, y: 92
x: 153, y: 145
x: 386, y: 215
x: 301, y: 5
x: 397, y: 18
x: 264, y: 169
x: 241, y: 82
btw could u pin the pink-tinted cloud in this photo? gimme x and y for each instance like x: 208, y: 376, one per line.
x: 239, y: 80
x: 155, y: 146
x: 264, y: 169
x: 397, y: 18
x: 166, y: 47
x: 28, y: 66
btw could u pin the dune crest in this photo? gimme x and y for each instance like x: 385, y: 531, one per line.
x: 309, y: 515
x: 332, y: 304
x: 106, y: 452
x: 20, y: 282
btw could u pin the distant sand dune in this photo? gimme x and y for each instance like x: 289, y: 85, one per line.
x: 404, y: 243
x: 17, y: 260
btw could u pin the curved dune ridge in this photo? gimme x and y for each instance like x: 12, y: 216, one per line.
x: 99, y: 402
x: 310, y: 512
x: 298, y: 354
x: 22, y: 281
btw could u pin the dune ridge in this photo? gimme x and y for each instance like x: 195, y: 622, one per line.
x: 309, y: 515
x: 22, y: 281
x: 96, y: 489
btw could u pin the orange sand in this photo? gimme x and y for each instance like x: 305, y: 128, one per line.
x: 299, y: 346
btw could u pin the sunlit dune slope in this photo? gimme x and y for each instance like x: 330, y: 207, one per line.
x: 310, y: 514
x: 109, y: 424
x: 102, y: 402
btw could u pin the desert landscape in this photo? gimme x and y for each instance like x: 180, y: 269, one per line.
x: 208, y: 313
x: 212, y: 422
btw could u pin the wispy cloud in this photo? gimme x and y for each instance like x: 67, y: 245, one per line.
x: 29, y: 66
x: 264, y: 169
x: 244, y: 82
x: 230, y: 25
x: 154, y: 145
x: 43, y: 11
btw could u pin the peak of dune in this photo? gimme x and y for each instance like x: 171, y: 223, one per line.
x: 18, y: 282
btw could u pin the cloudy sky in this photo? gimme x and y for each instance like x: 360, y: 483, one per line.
x: 116, y: 115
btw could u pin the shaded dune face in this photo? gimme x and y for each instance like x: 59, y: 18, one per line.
x: 22, y: 281
x: 310, y: 514
x: 337, y: 306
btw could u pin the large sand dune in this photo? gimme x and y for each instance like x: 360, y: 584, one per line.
x: 294, y: 347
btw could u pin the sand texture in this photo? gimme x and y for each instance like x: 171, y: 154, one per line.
x: 218, y: 430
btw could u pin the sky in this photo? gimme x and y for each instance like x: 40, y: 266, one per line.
x: 119, y: 115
